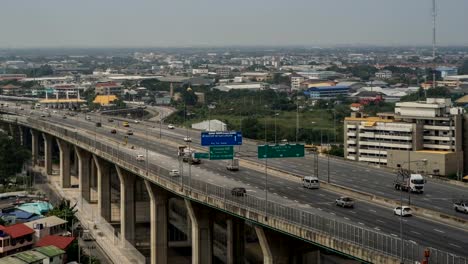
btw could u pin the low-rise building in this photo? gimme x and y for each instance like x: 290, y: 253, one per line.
x: 210, y: 125
x: 108, y: 88
x: 15, y: 238
x: 253, y: 86
x: 201, y: 71
x: 326, y: 92
x: 46, y: 226
x: 296, y: 81
x: 385, y: 74
x: 40, y: 255
x: 10, y: 89
x: 447, y: 71
x: 257, y: 76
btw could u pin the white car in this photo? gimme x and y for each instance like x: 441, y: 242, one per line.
x: 187, y: 139
x: 174, y: 173
x: 136, y: 122
x: 170, y: 126
x: 405, y: 212
x: 55, y: 111
x: 140, y: 157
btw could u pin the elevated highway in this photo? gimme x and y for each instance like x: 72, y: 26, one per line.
x: 369, y: 232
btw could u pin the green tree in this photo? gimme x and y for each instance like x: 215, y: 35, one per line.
x: 336, y: 151
x: 12, y: 158
x: 65, y: 211
x: 464, y: 68
x: 189, y: 97
x: 251, y: 128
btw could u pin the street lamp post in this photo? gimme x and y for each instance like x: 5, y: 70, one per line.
x: 276, y: 114
x: 401, y: 202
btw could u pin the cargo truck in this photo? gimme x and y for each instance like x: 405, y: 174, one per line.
x: 233, y: 165
x: 187, y: 155
x: 409, y: 182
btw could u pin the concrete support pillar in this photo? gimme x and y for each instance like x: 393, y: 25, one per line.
x: 235, y: 241
x: 47, y: 153
x: 75, y: 163
x: 65, y: 177
x: 35, y: 146
x: 21, y: 135
x: 202, y: 227
x: 274, y: 249
x: 84, y: 172
x: 158, y: 209
x: 12, y: 130
x: 103, y: 188
x: 127, y: 205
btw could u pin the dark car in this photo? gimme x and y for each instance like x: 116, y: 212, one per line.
x: 110, y: 120
x: 129, y: 132
x: 113, y: 131
x: 238, y: 191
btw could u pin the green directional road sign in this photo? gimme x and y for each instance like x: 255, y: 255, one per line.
x: 201, y: 155
x: 221, y: 152
x: 280, y: 151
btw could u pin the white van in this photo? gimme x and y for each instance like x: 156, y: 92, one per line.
x: 311, y: 182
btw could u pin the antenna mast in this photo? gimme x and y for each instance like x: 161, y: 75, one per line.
x: 434, y: 15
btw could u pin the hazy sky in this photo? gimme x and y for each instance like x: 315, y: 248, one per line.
x: 67, y: 23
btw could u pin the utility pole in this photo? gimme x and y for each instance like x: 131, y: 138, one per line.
x: 297, y: 119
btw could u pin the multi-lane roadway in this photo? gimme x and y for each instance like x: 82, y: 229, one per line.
x: 288, y: 191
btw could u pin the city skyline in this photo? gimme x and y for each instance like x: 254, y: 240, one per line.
x: 241, y: 23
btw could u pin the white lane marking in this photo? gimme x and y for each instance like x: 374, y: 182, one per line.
x: 332, y: 213
x: 376, y: 228
x: 321, y: 194
x: 394, y: 235
x: 440, y: 231
x: 455, y: 245
x: 276, y: 193
x: 347, y: 218
x: 380, y: 221
x: 360, y: 223
x: 414, y: 232
x: 320, y: 209
x: 285, y: 197
x: 352, y: 212
x: 372, y: 210
x: 296, y: 201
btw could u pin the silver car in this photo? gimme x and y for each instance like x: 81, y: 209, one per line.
x: 345, y: 202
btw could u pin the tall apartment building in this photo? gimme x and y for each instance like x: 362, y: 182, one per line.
x: 422, y: 136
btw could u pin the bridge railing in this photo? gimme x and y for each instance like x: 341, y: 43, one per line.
x: 313, y: 221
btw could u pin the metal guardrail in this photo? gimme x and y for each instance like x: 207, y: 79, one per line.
x: 359, y: 236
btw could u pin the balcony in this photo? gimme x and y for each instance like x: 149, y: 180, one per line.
x: 386, y: 144
x: 351, y: 150
x: 443, y: 128
x: 373, y: 159
x: 351, y: 134
x: 448, y: 139
x: 373, y: 151
x: 438, y: 146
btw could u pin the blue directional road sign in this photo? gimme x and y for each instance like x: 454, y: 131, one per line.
x: 229, y: 138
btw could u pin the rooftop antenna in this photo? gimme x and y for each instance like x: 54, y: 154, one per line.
x: 434, y: 15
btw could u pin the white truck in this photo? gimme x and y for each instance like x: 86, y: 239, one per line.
x: 461, y: 206
x: 233, y: 165
x: 187, y: 155
x: 409, y: 183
